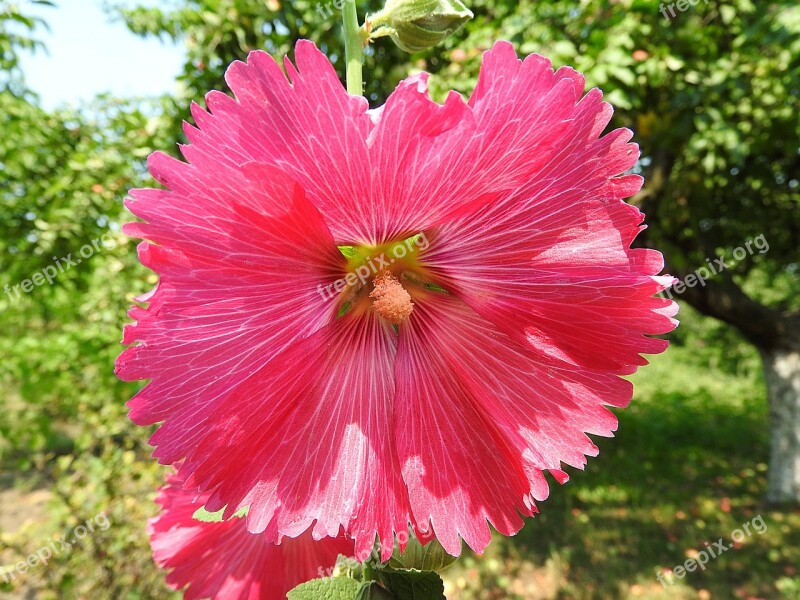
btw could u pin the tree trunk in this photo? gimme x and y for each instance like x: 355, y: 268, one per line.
x: 782, y: 373
x: 776, y: 334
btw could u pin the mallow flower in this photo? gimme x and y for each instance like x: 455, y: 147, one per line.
x: 367, y: 320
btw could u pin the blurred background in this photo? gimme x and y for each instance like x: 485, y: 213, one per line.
x: 711, y: 441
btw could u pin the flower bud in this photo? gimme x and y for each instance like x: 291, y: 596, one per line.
x: 416, y: 25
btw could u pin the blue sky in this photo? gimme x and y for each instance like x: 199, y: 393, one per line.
x: 89, y: 54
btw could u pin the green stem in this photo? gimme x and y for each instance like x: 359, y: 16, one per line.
x: 354, y: 49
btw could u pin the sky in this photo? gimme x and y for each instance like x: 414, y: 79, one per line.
x: 88, y: 54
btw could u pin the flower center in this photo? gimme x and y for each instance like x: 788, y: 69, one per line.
x: 373, y: 276
x: 390, y: 298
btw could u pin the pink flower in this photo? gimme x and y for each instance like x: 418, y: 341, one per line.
x: 225, y: 561
x: 437, y: 390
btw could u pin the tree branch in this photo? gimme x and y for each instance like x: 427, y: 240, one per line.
x: 765, y: 327
x: 720, y: 298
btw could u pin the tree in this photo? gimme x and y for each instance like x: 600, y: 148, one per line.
x: 712, y: 95
x: 711, y: 90
x: 63, y: 174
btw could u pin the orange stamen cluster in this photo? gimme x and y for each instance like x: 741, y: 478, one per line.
x: 390, y: 299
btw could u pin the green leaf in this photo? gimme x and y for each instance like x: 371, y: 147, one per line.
x: 202, y: 515
x: 372, y: 590
x: 411, y: 584
x: 430, y: 557
x: 328, y: 588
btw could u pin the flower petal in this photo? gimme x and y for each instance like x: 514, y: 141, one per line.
x: 311, y: 440
x: 309, y: 126
x: 226, y: 562
x: 412, y: 148
x: 551, y: 262
x: 432, y: 159
x: 479, y: 418
x: 379, y: 180
x: 237, y: 286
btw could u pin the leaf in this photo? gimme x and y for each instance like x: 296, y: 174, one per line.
x: 372, y: 590
x: 411, y: 584
x: 328, y: 588
x: 430, y: 557
x: 202, y: 515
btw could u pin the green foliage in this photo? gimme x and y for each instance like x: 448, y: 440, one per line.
x: 430, y: 557
x: 16, y: 35
x: 411, y: 584
x: 64, y: 428
x: 379, y: 582
x: 329, y: 588
x: 202, y: 515
x: 372, y: 590
x: 61, y: 187
x: 410, y: 575
x: 218, y: 32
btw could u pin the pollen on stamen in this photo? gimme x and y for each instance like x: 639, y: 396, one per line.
x: 390, y: 298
